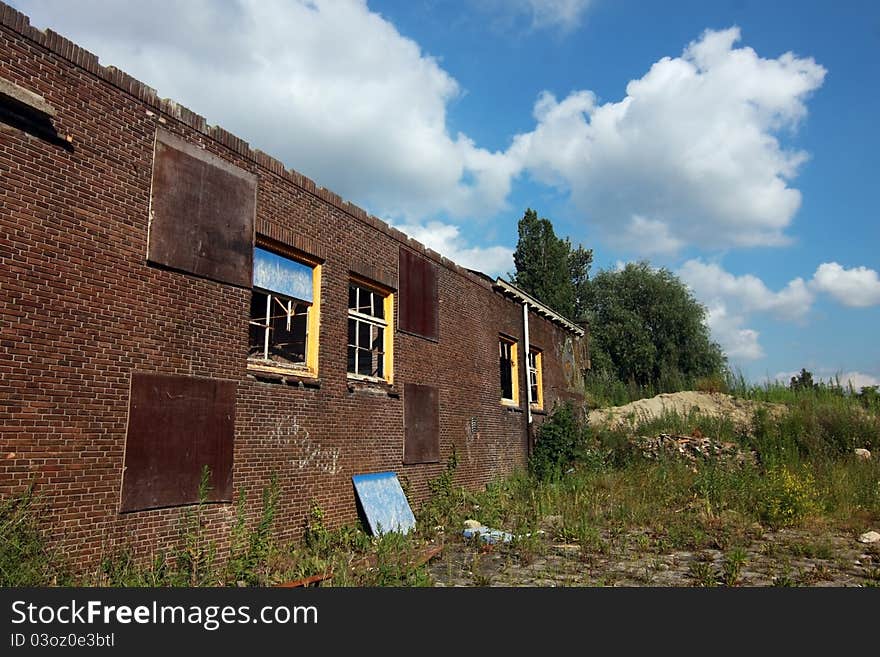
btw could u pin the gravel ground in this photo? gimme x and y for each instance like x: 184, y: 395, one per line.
x: 786, y: 557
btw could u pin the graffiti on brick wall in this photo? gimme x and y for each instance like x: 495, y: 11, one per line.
x: 302, y: 451
x: 472, y: 435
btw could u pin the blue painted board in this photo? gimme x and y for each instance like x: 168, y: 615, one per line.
x: 276, y: 273
x: 384, y: 503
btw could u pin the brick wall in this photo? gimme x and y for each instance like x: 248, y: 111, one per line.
x: 82, y: 309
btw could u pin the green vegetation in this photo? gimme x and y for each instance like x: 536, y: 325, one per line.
x: 549, y: 268
x: 589, y: 487
x: 560, y: 440
x: 647, y: 332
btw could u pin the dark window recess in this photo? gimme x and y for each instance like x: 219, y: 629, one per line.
x: 278, y: 328
x: 366, y: 331
x: 505, y: 350
x: 419, y: 312
x: 202, y: 213
x: 29, y: 112
x: 177, y: 426
x: 421, y: 409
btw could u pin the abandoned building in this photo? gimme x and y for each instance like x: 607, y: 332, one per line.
x: 172, y: 299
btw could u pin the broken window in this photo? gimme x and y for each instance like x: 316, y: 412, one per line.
x: 284, y: 313
x: 369, y: 336
x: 507, y: 361
x: 536, y: 385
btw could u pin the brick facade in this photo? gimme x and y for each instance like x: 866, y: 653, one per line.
x: 81, y: 309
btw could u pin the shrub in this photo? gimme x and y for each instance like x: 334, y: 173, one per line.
x: 560, y: 440
x: 790, y: 496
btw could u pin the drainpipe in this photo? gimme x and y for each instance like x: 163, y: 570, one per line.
x: 526, y: 359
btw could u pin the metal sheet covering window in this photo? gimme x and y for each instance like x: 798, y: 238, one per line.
x: 178, y: 428
x: 419, y: 312
x: 369, y: 331
x: 202, y: 212
x: 421, y: 413
x: 284, y: 306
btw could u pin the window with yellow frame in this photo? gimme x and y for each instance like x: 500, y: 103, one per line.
x: 285, y: 313
x: 536, y: 383
x: 370, y: 332
x: 507, y: 359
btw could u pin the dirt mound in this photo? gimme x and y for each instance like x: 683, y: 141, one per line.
x: 716, y: 404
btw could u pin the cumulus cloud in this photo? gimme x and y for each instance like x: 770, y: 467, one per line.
x: 327, y: 86
x: 732, y: 300
x: 692, y: 150
x: 689, y: 156
x: 712, y: 284
x: 447, y: 240
x: 858, y: 287
x: 727, y: 329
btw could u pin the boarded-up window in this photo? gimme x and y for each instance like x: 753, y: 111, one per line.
x: 421, y: 417
x: 177, y: 426
x: 418, y: 295
x: 201, y: 213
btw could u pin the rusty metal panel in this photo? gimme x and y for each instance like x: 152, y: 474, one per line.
x: 176, y: 426
x: 421, y: 418
x: 201, y: 213
x: 419, y: 312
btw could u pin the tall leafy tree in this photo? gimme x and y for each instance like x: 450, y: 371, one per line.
x: 548, y: 268
x: 647, y: 327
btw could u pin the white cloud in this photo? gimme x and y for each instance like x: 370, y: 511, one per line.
x: 727, y: 329
x: 712, y: 284
x: 732, y: 300
x: 691, y: 149
x: 565, y: 15
x: 690, y: 155
x: 858, y: 380
x: 327, y: 86
x: 652, y: 237
x: 858, y: 287
x: 446, y: 240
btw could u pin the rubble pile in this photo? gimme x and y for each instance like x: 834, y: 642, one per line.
x: 692, y: 448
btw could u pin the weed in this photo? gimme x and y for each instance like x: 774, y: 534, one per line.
x: 250, y: 550
x: 24, y: 558
x: 703, y: 573
x: 731, y: 569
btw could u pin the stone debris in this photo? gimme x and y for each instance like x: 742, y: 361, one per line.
x: 692, y: 448
x: 862, y: 453
x: 869, y: 537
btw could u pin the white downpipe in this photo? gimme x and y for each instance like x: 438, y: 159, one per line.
x: 526, y: 360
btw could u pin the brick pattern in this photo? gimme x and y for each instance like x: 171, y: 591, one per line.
x: 81, y: 310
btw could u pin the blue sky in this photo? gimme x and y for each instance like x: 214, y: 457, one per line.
x: 733, y: 142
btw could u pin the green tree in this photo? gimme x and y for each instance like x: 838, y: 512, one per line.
x: 803, y: 381
x: 548, y: 268
x: 646, y: 327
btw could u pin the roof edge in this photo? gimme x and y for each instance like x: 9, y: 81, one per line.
x: 513, y: 291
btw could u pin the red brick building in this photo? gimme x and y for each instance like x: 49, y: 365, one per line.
x: 171, y: 299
